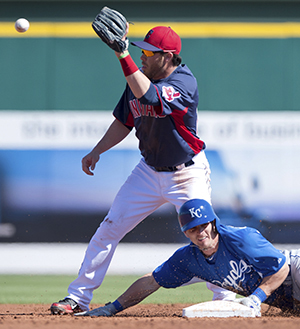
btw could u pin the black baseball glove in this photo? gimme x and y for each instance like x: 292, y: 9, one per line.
x: 110, y: 25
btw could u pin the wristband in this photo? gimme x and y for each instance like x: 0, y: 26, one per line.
x: 126, y: 53
x: 128, y: 65
x: 260, y: 294
x: 117, y: 305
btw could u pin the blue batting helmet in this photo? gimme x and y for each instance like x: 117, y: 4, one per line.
x: 195, y: 212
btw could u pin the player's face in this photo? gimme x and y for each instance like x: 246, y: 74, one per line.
x: 205, y: 237
x: 154, y: 66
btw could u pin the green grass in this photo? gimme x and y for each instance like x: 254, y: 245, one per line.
x: 46, y: 289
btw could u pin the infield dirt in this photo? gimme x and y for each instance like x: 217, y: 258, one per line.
x: 143, y: 316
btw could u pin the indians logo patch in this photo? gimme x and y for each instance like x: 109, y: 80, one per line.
x: 149, y: 34
x: 169, y: 93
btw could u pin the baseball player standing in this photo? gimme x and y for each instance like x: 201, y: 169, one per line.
x: 160, y: 101
x: 239, y: 259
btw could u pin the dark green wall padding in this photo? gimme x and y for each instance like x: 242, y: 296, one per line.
x: 84, y: 74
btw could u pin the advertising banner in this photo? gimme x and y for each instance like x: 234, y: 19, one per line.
x: 254, y: 158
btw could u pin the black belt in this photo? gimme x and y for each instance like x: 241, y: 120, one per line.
x: 174, y: 168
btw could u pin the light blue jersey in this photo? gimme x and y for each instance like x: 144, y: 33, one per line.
x: 244, y: 257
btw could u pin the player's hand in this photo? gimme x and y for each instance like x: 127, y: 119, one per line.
x: 89, y: 162
x: 107, y: 310
x: 252, y: 301
x: 123, y: 38
x: 126, y: 32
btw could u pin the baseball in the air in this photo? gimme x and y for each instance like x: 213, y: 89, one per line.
x: 22, y: 25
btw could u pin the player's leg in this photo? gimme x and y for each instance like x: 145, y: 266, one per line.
x: 220, y: 293
x: 295, y: 274
x: 192, y: 182
x: 137, y: 198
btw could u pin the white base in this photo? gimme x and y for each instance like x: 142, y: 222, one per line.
x: 218, y: 309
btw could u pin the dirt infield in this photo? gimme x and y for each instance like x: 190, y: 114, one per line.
x: 142, y: 316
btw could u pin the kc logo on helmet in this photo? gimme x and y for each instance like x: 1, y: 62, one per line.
x: 195, y: 213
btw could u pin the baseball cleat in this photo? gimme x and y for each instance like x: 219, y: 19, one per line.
x: 65, y: 306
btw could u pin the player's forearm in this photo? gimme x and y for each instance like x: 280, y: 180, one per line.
x: 272, y: 282
x: 138, y: 291
x: 113, y: 136
x: 137, y: 81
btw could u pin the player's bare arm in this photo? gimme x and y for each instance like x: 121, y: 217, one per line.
x: 266, y: 288
x: 155, y: 67
x: 271, y: 283
x: 114, y: 135
x: 138, y: 291
x: 138, y: 82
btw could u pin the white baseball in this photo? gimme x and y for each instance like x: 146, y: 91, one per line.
x: 22, y: 25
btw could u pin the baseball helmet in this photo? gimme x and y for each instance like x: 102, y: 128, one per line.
x: 195, y: 212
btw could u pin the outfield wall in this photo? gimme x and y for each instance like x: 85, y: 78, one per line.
x: 243, y: 53
x: 256, y: 69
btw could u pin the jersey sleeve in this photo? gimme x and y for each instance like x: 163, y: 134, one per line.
x: 151, y: 97
x: 173, y: 272
x: 122, y: 111
x: 177, y: 92
x: 260, y: 253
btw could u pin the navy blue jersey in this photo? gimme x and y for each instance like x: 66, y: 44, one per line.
x: 244, y: 257
x: 166, y: 122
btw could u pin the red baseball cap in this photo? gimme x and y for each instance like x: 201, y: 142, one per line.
x: 160, y: 38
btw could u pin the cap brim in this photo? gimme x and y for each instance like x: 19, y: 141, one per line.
x: 145, y: 45
x: 195, y: 222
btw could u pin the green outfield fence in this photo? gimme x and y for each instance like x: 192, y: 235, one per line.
x: 245, y: 55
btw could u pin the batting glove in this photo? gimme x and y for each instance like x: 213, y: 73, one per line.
x: 107, y: 310
x: 252, y: 301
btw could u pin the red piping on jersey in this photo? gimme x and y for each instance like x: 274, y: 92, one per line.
x: 130, y: 120
x: 161, y: 103
x: 195, y: 144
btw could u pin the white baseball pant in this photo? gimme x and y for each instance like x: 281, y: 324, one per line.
x: 293, y: 259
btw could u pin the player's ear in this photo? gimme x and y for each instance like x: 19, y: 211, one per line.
x: 214, y: 226
x: 168, y: 56
x: 185, y: 234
